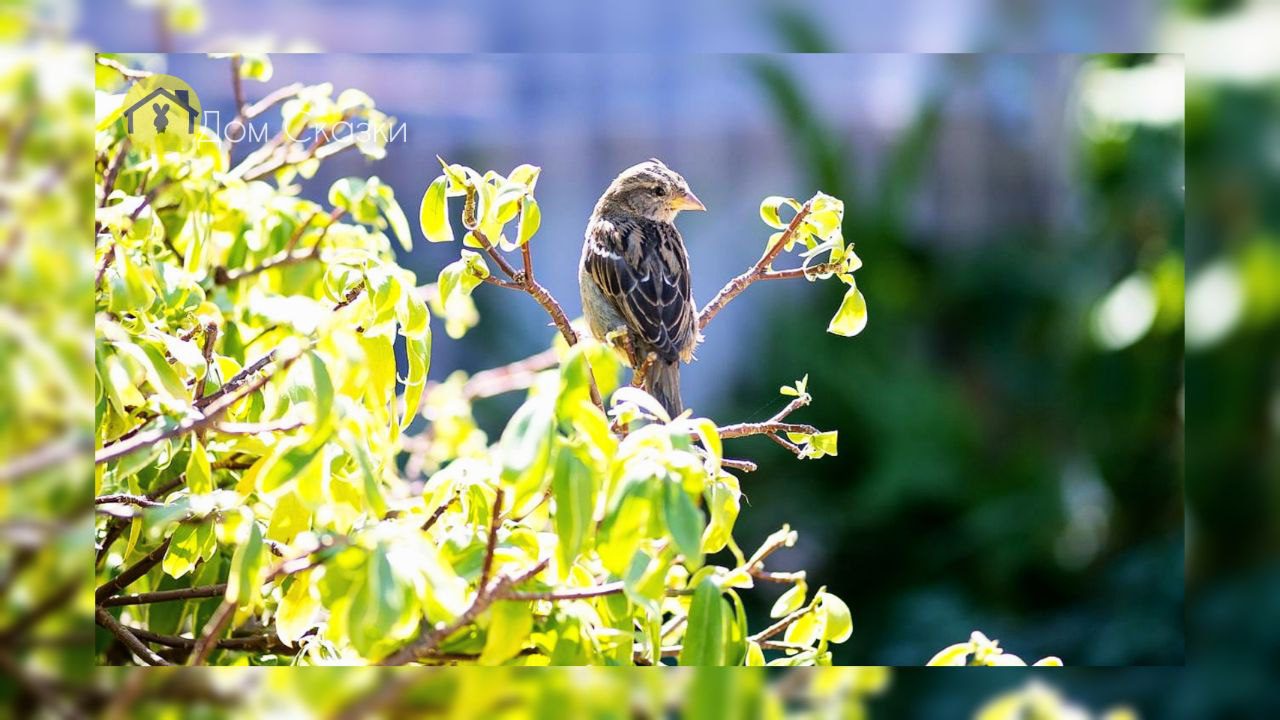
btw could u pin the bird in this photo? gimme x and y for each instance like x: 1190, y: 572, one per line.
x: 634, y: 276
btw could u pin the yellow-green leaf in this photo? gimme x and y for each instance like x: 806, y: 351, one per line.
x: 434, y: 214
x: 851, y: 318
x: 509, y: 628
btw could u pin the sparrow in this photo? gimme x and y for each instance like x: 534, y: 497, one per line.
x: 634, y: 276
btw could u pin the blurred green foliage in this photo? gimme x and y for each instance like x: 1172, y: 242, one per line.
x: 1012, y: 420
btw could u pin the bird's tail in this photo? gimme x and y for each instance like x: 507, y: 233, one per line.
x: 663, y: 383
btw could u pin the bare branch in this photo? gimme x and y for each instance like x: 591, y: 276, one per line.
x: 518, y: 375
x: 128, y: 575
x: 757, y: 271
x: 126, y: 499
x: 210, y: 337
x: 764, y: 428
x: 212, y: 633
x: 611, y: 588
x: 272, y: 99
x: 131, y: 641
x: 743, y: 465
x: 203, y: 591
x: 53, y: 453
x: 237, y: 428
x: 128, y: 72
x: 525, y: 281
x: 491, y: 543
x: 782, y: 624
x: 439, y: 512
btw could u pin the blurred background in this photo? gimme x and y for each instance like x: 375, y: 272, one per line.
x: 1012, y: 451
x: 1011, y: 454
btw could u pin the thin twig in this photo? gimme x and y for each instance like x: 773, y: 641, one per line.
x: 133, y: 572
x: 131, y: 641
x: 51, y: 454
x: 612, y: 588
x: 764, y: 428
x: 210, y: 337
x: 743, y: 465
x: 284, y: 258
x: 491, y: 543
x: 191, y: 423
x: 741, y: 282
x: 127, y: 499
x: 525, y: 280
x: 238, y: 428
x: 147, y: 598
x: 212, y: 633
x: 519, y: 375
x: 430, y: 637
x: 128, y: 72
x: 439, y: 512
x: 271, y: 99
x: 782, y: 624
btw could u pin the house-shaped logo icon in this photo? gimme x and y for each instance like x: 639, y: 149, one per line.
x: 157, y: 98
x: 161, y: 113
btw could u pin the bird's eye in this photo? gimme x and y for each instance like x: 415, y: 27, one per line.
x: 659, y: 190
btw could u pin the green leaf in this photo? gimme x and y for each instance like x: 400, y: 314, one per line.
x: 509, y: 628
x: 291, y: 459
x: 395, y: 216
x: 526, y: 175
x: 434, y: 214
x: 289, y: 518
x: 322, y: 387
x: 851, y: 318
x: 572, y: 490
x: 769, y: 210
x: 624, y: 525
x: 255, y: 66
x: 706, y: 635
x: 530, y: 219
x: 839, y: 620
x: 418, y: 350
x: 199, y: 470
x: 525, y: 447
x: 189, y: 544
x: 684, y: 522
x: 377, y: 606
x: 347, y: 193
x: 296, y: 613
x: 804, y: 630
x: 790, y: 601
x: 755, y: 656
x: 244, y: 584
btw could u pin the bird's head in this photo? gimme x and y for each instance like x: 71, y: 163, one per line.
x: 651, y: 190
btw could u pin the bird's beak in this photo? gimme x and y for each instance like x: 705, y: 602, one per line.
x: 687, y: 201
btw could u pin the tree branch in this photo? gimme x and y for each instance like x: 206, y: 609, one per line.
x: 212, y: 633
x: 525, y: 281
x: 126, y: 499
x: 128, y: 72
x: 431, y: 637
x: 147, y: 598
x: 757, y: 271
x: 191, y: 423
x: 774, y: 426
x: 130, y: 640
x: 128, y: 575
x: 491, y: 542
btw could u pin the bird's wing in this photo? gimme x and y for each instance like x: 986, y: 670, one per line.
x: 641, y: 266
